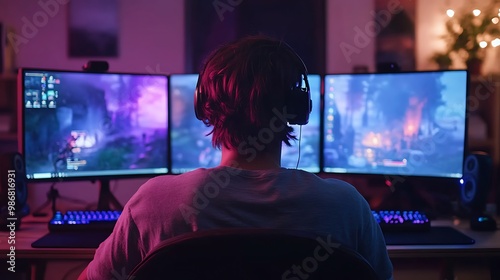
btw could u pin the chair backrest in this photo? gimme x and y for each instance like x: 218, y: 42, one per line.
x: 257, y: 254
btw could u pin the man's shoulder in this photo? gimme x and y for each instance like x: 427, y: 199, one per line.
x: 326, y: 187
x: 171, y: 183
x: 316, y: 179
x: 199, y: 173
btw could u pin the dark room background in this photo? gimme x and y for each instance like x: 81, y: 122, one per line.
x: 299, y: 23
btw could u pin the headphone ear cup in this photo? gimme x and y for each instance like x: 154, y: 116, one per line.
x: 199, y: 101
x: 197, y: 104
x: 299, y: 106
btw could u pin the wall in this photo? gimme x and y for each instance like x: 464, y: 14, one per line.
x: 346, y: 45
x: 356, y: 15
x: 151, y: 35
x: 430, y: 16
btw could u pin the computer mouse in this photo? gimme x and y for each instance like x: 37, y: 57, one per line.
x: 483, y: 223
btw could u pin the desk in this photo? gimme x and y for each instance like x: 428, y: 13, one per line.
x: 487, y: 246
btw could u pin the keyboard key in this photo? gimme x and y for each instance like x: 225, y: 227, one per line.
x: 401, y: 220
x: 90, y: 220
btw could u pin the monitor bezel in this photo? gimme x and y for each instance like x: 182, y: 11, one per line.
x: 409, y: 176
x: 98, y: 177
x: 170, y: 161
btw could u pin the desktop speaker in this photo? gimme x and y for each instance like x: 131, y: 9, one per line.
x: 477, y: 181
x: 13, y: 190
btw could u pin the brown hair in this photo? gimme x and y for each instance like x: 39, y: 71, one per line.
x: 241, y: 83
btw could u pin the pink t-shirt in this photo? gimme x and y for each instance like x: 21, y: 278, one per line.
x: 225, y: 197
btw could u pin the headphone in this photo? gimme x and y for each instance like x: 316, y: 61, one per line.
x: 298, y: 100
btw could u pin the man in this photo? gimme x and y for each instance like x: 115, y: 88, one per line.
x: 248, y: 92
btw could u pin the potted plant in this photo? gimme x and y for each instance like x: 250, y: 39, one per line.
x: 469, y: 34
x: 443, y: 60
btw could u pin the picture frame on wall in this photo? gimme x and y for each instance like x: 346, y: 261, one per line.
x: 93, y: 27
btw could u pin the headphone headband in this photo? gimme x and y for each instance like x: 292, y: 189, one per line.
x: 298, y: 101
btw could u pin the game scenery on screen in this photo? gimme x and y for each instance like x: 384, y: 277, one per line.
x: 79, y: 124
x: 191, y: 148
x: 396, y: 123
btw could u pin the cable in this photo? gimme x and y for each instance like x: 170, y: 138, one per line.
x: 300, y: 137
x: 38, y: 211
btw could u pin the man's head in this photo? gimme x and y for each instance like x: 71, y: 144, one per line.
x: 253, y: 85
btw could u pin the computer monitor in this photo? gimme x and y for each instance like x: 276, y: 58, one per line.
x: 92, y: 126
x: 398, y: 124
x: 191, y: 148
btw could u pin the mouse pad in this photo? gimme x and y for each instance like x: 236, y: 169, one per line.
x: 71, y: 240
x: 435, y: 236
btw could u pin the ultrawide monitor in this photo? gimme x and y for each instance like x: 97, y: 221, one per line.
x: 93, y: 125
x: 191, y: 148
x: 408, y: 123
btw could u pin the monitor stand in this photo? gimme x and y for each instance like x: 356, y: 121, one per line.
x: 52, y: 196
x: 404, y: 194
x: 106, y: 197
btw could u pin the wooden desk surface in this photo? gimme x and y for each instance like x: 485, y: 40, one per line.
x: 31, y: 230
x: 487, y: 244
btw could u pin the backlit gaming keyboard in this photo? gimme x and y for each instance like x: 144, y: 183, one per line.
x: 105, y: 220
x: 96, y: 220
x: 404, y: 220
